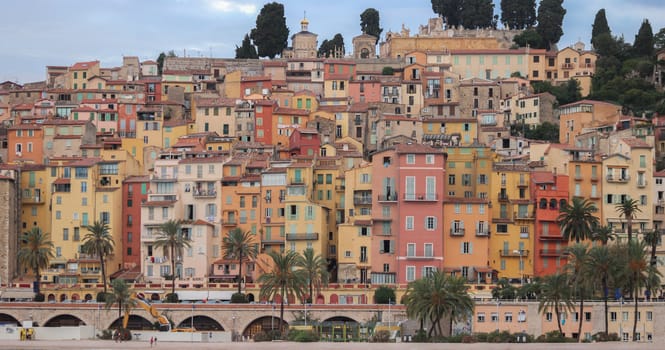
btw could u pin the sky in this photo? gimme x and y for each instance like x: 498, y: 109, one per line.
x: 38, y: 33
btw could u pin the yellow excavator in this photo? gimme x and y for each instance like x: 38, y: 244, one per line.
x: 164, y: 324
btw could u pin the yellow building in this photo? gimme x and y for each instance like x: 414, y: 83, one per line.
x: 35, y: 196
x: 79, y: 74
x: 357, y: 225
x: 576, y: 63
x: 628, y: 171
x: 513, y: 218
x: 306, y: 222
x: 214, y: 115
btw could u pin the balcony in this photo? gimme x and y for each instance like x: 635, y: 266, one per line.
x: 127, y: 134
x: 340, y: 188
x: 297, y: 181
x: 551, y: 237
x: 566, y: 66
x: 524, y: 235
x: 32, y: 200
x: 642, y: 183
x: 302, y: 236
x: 619, y: 178
x: 483, y: 232
x: 362, y: 200
x: 514, y: 253
x: 421, y: 197
x: 457, y: 231
x: 387, y: 197
x: 522, y: 184
x: 503, y: 197
x: 204, y: 193
x: 230, y: 222
x: 524, y: 216
x: 551, y: 252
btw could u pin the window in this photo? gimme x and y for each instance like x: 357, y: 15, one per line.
x: 410, y: 273
x: 429, y: 159
x: 411, y: 250
x: 480, y: 317
x: 430, y: 223
x: 613, y: 316
x: 548, y: 316
x: 410, y: 159
x: 409, y: 223
x: 508, y: 317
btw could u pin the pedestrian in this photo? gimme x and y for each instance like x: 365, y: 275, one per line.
x: 115, y: 335
x: 152, y: 339
x: 155, y: 341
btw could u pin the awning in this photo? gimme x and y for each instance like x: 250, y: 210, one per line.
x: 451, y: 269
x: 483, y: 269
x: 17, y: 294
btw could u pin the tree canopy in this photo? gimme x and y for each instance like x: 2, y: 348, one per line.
x: 161, y: 58
x: 246, y: 49
x: 329, y: 48
x: 518, y: 14
x: 271, y: 33
x: 450, y: 10
x: 529, y: 37
x: 477, y: 14
x: 99, y: 242
x: 643, y: 45
x: 599, y: 27
x: 550, y: 21
x: 370, y: 23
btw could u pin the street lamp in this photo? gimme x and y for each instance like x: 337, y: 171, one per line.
x: 233, y: 331
x: 519, y: 252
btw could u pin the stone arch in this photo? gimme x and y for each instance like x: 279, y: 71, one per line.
x: 291, y: 299
x: 8, y: 319
x: 320, y: 299
x: 154, y: 297
x: 64, y: 320
x: 135, y: 322
x: 201, y: 323
x: 88, y: 297
x: 340, y: 328
x: 250, y: 297
x: 63, y: 297
x: 75, y: 297
x: 264, y: 324
x: 51, y: 298
x: 364, y: 53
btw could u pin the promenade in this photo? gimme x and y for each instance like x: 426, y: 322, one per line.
x: 107, y: 344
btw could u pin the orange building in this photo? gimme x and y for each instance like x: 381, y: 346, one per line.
x: 25, y: 144
x: 550, y: 192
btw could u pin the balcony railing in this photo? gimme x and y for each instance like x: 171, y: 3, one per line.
x: 360, y: 200
x: 524, y: 235
x: 302, y: 236
x: 340, y: 188
x: 388, y: 198
x: 642, y: 184
x: 524, y: 216
x: 551, y: 252
x: 503, y: 197
x: 204, y: 194
x: 514, y: 253
x: 229, y: 222
x: 297, y: 181
x: 457, y: 231
x: 618, y: 178
x: 482, y: 232
x: 421, y: 197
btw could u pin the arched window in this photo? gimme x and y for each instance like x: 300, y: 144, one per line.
x: 562, y: 203
x: 543, y: 203
x: 553, y: 203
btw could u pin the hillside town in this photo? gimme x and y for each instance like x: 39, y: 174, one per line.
x: 398, y: 159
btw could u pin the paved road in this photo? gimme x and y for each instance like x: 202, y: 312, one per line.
x: 109, y: 345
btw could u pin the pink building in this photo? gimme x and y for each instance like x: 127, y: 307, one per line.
x: 407, y: 243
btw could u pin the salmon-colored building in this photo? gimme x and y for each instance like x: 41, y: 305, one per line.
x: 408, y: 182
x: 25, y: 144
x: 549, y: 192
x: 134, y: 192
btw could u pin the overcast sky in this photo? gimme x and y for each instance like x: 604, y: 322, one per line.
x: 37, y: 33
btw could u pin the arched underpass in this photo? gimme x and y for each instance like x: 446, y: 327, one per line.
x: 8, y: 320
x: 201, y: 323
x: 64, y: 321
x: 341, y: 328
x: 264, y: 324
x: 135, y: 322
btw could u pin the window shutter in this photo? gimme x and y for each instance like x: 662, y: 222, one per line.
x: 392, y: 246
x: 461, y: 247
x: 470, y: 247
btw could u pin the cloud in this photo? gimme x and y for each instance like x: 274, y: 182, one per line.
x: 231, y: 6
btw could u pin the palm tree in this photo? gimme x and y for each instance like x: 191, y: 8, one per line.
x: 239, y: 245
x: 433, y: 297
x: 603, y: 234
x: 577, y: 271
x: 600, y: 265
x: 576, y: 220
x: 641, y: 274
x: 121, y: 295
x: 652, y: 239
x: 99, y: 242
x: 316, y: 270
x: 35, y: 253
x: 284, y: 279
x: 556, y: 295
x: 171, y: 239
x: 629, y: 209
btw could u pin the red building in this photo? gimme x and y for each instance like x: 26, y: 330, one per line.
x: 407, y: 183
x: 305, y: 142
x: 549, y: 191
x: 134, y: 192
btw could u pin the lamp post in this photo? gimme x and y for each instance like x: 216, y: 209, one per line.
x: 305, y: 315
x: 272, y: 318
x: 519, y: 251
x: 233, y: 331
x: 191, y: 323
x: 498, y: 318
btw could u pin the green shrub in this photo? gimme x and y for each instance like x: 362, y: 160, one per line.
x: 239, y: 298
x: 382, y: 336
x: 107, y: 334
x: 39, y: 297
x: 481, y: 337
x: 601, y: 337
x: 384, y: 295
x: 303, y: 336
x: 267, y: 336
x: 499, y: 337
x: 387, y: 71
x: 101, y: 297
x: 172, y: 298
x: 469, y: 338
x: 420, y: 337
x: 552, y: 337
